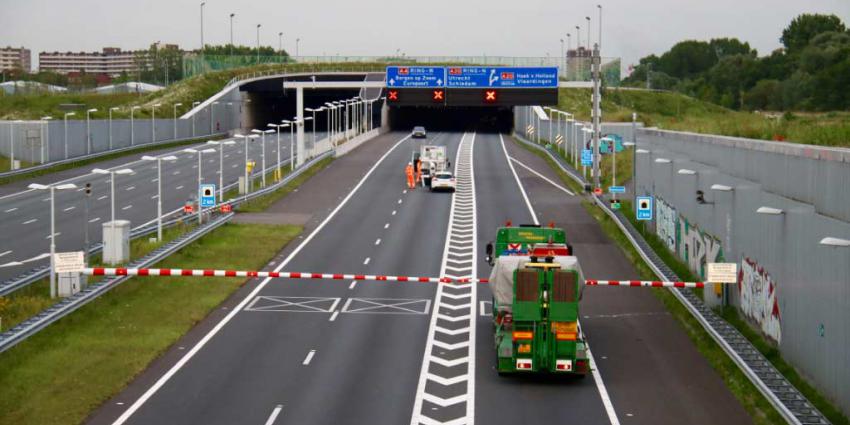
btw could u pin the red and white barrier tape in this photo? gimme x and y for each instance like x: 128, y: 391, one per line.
x: 120, y: 271
x: 645, y: 283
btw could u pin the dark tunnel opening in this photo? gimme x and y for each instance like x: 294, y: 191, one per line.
x: 485, y: 119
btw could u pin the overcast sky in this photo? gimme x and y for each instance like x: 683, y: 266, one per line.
x: 632, y: 28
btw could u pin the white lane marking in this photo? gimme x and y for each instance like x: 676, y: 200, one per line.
x: 130, y: 188
x: 234, y: 165
x: 94, y: 220
x: 309, y: 357
x: 274, y: 414
x: 248, y: 298
x: 68, y: 209
x: 404, y: 191
x: 154, y: 180
x: 155, y: 196
x: 387, y: 226
x: 102, y: 198
x: 31, y: 221
x: 561, y: 188
x: 394, y: 211
x: 366, y: 261
x: 353, y: 282
x: 378, y: 242
x: 55, y: 234
x: 519, y: 185
x: 45, y: 200
x: 5, y: 253
x: 399, y: 201
x: 127, y: 207
x: 178, y: 187
x: 11, y: 209
x: 597, y: 377
x: 176, y: 172
x: 333, y: 316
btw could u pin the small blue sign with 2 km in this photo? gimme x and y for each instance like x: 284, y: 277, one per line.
x: 416, y: 76
x: 586, y: 157
x: 643, y: 208
x: 206, y: 193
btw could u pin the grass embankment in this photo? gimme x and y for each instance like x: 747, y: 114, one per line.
x: 34, y: 298
x: 61, y: 374
x: 261, y: 203
x: 4, y: 162
x: 674, y: 111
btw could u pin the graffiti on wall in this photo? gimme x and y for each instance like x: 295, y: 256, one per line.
x: 665, y: 223
x: 698, y: 248
x: 759, y: 301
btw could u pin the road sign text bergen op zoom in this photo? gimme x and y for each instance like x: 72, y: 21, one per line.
x: 501, y: 77
x: 416, y: 76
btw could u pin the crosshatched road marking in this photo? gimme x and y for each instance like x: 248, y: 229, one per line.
x: 387, y: 305
x: 485, y: 308
x: 293, y: 304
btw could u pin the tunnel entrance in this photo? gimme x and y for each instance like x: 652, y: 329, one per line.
x: 483, y: 119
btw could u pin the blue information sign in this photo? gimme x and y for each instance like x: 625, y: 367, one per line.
x: 207, y: 195
x: 617, y: 189
x: 586, y: 157
x: 501, y: 77
x: 416, y: 76
x: 643, y: 208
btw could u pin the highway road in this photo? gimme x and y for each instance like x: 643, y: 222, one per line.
x: 25, y: 215
x: 333, y: 352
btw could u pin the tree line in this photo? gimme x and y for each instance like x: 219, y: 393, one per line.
x: 811, y: 72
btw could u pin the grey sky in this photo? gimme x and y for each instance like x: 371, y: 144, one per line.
x: 632, y: 29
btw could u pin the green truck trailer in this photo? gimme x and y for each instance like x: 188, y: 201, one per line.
x: 536, y: 290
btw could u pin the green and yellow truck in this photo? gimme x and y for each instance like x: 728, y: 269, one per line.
x: 536, y: 290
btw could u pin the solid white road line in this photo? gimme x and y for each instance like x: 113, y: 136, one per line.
x: 31, y: 221
x: 11, y: 209
x: 597, y: 377
x: 309, y: 357
x: 217, y: 328
x: 5, y: 253
x: 274, y: 414
x: 127, y: 207
x: 561, y: 188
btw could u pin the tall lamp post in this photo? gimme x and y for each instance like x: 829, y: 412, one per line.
x: 297, y: 42
x: 194, y: 104
x: 277, y: 128
x: 88, y: 130
x: 200, y: 153
x: 159, y: 160
x: 110, y: 126
x: 262, y: 134
x: 202, y: 26
x: 280, y: 45
x: 153, y: 121
x: 291, y: 125
x: 258, y: 43
x: 112, y: 174
x: 212, y: 116
x: 221, y: 145
x: 67, y: 114
x: 132, y: 128
x: 175, y: 118
x: 52, y: 188
x: 231, y: 33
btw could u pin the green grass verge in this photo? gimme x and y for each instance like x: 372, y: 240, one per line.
x: 261, y: 203
x: 6, y: 163
x: 675, y: 111
x: 34, y: 298
x: 744, y: 391
x: 61, y: 374
x: 83, y: 162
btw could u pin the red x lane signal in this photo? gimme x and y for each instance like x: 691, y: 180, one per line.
x: 392, y: 95
x: 490, y: 96
x: 438, y: 95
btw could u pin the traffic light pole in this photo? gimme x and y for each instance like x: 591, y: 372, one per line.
x: 596, y: 112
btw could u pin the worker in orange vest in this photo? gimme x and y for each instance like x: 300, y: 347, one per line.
x: 418, y: 171
x: 409, y: 172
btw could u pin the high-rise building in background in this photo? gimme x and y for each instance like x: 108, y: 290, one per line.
x: 111, y: 61
x: 15, y: 58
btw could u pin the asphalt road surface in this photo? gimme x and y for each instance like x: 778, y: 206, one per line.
x: 331, y: 352
x: 25, y: 215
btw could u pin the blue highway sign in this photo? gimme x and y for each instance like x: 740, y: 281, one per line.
x: 643, y: 208
x: 206, y: 192
x: 416, y: 76
x: 617, y: 189
x: 586, y: 157
x: 501, y: 77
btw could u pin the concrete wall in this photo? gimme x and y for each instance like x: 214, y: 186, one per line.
x: 791, y: 288
x: 30, y: 137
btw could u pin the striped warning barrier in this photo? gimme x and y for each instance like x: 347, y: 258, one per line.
x: 121, y: 271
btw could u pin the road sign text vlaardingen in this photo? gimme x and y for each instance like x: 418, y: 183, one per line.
x: 416, y: 76
x: 501, y: 77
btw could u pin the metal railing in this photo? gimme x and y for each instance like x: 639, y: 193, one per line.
x: 784, y: 397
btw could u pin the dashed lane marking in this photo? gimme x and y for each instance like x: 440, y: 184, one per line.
x: 309, y: 357
x: 273, y: 416
x: 33, y: 220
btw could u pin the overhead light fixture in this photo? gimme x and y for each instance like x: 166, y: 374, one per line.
x: 662, y: 161
x: 830, y: 241
x: 769, y: 211
x: 721, y: 188
x: 686, y: 172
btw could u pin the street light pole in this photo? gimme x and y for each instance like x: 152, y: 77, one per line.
x: 153, y: 121
x: 200, y: 153
x: 52, y: 189
x: 67, y: 114
x: 159, y: 160
x: 194, y: 104
x: 600, y: 26
x: 221, y: 145
x: 112, y: 174
x: 132, y: 129
x: 212, y: 115
x: 258, y: 43
x: 231, y: 33
x: 175, y: 118
x: 45, y: 145
x: 88, y: 130
x: 297, y: 53
x: 280, y: 45
x: 110, y: 126
x: 202, y: 26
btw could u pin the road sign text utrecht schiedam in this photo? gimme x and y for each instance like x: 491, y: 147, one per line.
x: 644, y: 208
x: 416, y: 76
x: 501, y: 77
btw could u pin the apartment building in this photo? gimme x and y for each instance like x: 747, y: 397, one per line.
x: 15, y: 58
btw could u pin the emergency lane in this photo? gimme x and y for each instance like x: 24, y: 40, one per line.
x: 531, y: 399
x: 651, y: 369
x: 285, y: 350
